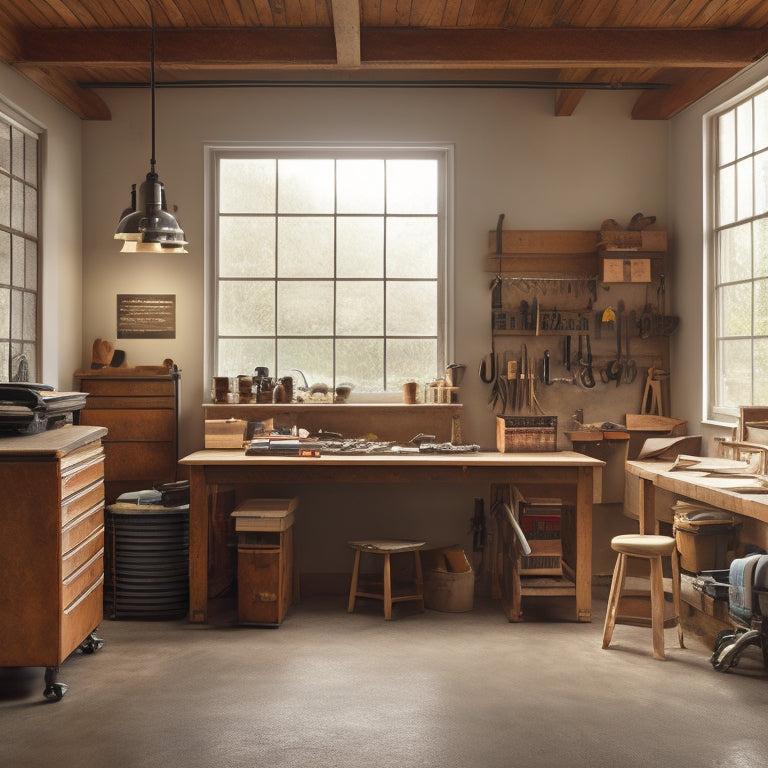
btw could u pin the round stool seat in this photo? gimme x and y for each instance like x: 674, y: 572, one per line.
x: 387, y: 546
x: 643, y: 545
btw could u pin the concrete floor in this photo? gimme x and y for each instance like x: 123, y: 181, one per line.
x: 329, y: 690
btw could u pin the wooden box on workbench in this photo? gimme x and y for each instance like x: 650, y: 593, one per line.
x: 519, y: 434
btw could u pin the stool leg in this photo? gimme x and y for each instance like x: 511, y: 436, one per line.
x: 353, y: 585
x: 676, y: 596
x: 419, y: 578
x: 657, y: 608
x: 613, y: 599
x: 387, y: 588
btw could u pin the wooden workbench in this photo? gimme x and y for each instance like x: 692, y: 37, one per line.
x: 646, y: 478
x: 566, y: 474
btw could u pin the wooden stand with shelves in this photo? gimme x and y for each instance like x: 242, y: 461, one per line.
x: 549, y: 300
x: 140, y: 413
x: 389, y: 421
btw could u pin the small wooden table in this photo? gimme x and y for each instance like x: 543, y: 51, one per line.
x: 565, y: 473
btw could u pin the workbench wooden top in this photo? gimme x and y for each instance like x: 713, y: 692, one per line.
x: 702, y: 487
x: 232, y: 457
x: 53, y: 442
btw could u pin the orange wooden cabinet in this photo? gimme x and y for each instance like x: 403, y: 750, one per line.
x: 140, y: 413
x: 52, y: 547
x: 264, y: 576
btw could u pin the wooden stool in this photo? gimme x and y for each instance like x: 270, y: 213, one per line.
x: 386, y: 547
x: 627, y: 607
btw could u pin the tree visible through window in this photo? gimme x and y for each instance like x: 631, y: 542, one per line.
x: 332, y: 264
x: 18, y: 252
x: 740, y: 273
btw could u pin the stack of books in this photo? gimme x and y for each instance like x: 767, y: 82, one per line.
x: 541, y: 521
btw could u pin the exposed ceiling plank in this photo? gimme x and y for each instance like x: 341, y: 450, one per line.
x: 674, y: 50
x: 527, y: 49
x: 346, y: 28
x: 10, y: 49
x: 567, y: 99
x: 86, y: 104
x: 661, y: 105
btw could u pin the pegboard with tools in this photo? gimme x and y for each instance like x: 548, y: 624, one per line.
x: 563, y: 338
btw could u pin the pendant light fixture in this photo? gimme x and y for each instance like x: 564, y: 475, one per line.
x: 147, y: 226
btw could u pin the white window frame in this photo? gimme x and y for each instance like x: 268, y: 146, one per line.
x: 24, y: 351
x: 714, y: 411
x: 213, y: 152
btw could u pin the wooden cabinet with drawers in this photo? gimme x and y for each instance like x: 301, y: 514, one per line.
x: 51, y: 548
x: 140, y: 413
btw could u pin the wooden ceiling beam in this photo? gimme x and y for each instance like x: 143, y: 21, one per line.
x: 346, y: 29
x: 561, y: 48
x: 86, y: 104
x: 252, y: 48
x: 567, y: 99
x: 190, y: 48
x: 664, y: 104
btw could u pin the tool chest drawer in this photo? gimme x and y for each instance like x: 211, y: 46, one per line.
x: 74, y: 505
x: 79, y: 477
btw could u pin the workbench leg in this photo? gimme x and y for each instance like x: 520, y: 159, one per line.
x: 198, y: 545
x: 507, y: 557
x: 648, y: 522
x: 584, y: 489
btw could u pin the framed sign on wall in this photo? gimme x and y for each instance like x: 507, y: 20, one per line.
x: 146, y: 316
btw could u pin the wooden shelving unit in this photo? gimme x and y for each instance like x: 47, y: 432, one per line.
x: 140, y: 412
x: 390, y: 421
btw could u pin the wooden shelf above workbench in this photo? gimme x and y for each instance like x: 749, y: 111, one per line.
x: 388, y: 421
x: 574, y: 254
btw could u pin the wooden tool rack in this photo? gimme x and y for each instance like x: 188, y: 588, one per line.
x: 550, y: 290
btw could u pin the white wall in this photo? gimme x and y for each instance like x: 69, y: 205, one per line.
x: 687, y: 171
x: 61, y: 226
x: 512, y: 156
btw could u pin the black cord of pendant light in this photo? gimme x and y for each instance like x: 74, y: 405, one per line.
x: 152, y: 161
x: 148, y: 225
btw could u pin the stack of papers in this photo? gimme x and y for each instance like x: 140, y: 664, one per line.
x: 728, y: 474
x: 712, y: 464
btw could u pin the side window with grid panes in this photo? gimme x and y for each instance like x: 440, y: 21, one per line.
x: 19, y: 209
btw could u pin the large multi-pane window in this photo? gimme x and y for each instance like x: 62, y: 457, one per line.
x: 740, y: 266
x: 331, y: 263
x: 18, y: 251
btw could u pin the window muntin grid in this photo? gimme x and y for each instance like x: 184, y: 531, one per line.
x: 331, y: 263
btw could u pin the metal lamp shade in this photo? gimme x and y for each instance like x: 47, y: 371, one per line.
x: 150, y: 224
